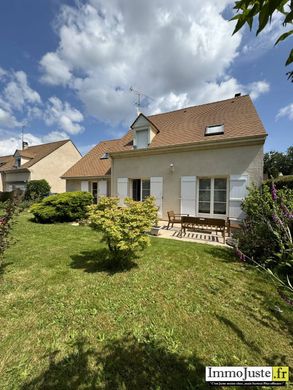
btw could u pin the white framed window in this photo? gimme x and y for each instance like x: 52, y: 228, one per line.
x: 214, y: 129
x: 141, y: 189
x: 212, y: 196
x: 145, y: 189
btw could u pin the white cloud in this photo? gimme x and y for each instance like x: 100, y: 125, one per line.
x: 7, y: 119
x: 10, y: 142
x: 18, y: 93
x: 63, y: 115
x: 257, y: 88
x: 19, y: 98
x: 56, y: 71
x: 286, y: 112
x: 176, y: 52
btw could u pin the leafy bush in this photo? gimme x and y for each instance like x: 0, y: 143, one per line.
x: 8, y: 209
x: 124, y: 228
x: 37, y: 189
x: 282, y: 182
x: 266, y: 235
x: 66, y: 207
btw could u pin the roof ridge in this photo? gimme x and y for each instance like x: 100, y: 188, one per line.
x: 197, y: 105
x: 7, y: 155
x: 47, y: 143
x: 109, y: 140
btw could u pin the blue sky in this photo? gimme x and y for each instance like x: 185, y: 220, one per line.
x: 66, y: 67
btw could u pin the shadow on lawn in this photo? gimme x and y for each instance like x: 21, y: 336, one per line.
x: 121, y: 364
x: 239, y: 333
x: 222, y: 253
x: 3, y: 265
x: 99, y: 261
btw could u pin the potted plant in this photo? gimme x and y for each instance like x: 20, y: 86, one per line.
x: 155, y: 228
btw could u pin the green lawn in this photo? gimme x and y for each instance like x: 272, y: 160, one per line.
x: 68, y: 321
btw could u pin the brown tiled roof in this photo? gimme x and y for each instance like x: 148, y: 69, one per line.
x: 91, y: 165
x: 238, y: 115
x: 185, y: 126
x: 35, y: 153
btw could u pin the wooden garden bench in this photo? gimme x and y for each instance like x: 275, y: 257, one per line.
x: 174, y: 218
x: 204, y: 224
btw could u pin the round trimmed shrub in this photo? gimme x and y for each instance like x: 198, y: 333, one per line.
x: 65, y: 207
x: 37, y: 189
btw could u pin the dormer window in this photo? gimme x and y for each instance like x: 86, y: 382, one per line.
x: 142, y: 139
x: 214, y: 130
x: 105, y: 156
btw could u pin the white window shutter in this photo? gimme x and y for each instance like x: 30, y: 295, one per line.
x: 238, y: 191
x: 188, y: 195
x: 157, y: 192
x: 102, y: 188
x: 84, y: 186
x: 122, y: 189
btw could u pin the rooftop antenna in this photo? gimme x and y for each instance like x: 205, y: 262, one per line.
x: 140, y: 96
x: 22, y: 136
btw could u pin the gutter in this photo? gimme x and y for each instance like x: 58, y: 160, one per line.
x: 201, y: 145
x: 85, y: 177
x: 17, y: 170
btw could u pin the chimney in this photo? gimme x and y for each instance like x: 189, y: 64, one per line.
x: 237, y: 94
x: 24, y: 145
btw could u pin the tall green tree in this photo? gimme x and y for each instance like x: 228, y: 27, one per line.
x: 278, y: 162
x: 263, y: 10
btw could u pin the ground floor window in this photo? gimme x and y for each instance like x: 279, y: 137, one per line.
x: 141, y: 189
x: 212, y: 196
x: 95, y: 192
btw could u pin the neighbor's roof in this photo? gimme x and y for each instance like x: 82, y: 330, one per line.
x: 91, y: 165
x: 34, y: 153
x: 185, y: 126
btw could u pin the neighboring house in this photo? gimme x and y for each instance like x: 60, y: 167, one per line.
x: 46, y: 161
x: 198, y: 160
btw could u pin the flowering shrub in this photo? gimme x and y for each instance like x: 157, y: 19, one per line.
x: 124, y: 228
x: 266, y: 235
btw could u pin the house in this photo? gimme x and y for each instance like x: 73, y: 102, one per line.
x: 46, y: 161
x: 197, y: 160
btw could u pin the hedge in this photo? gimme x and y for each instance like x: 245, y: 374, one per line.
x: 282, y: 182
x: 37, y: 189
x: 65, y: 207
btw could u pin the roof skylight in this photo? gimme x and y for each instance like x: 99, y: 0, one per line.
x: 214, y: 129
x: 105, y: 156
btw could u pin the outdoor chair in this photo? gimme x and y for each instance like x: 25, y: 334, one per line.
x: 174, y: 218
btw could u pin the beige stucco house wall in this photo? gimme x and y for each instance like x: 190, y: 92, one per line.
x: 215, y: 161
x: 53, y: 166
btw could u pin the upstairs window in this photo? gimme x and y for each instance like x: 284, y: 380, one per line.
x: 142, y: 139
x: 105, y: 156
x: 18, y: 162
x: 214, y: 129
